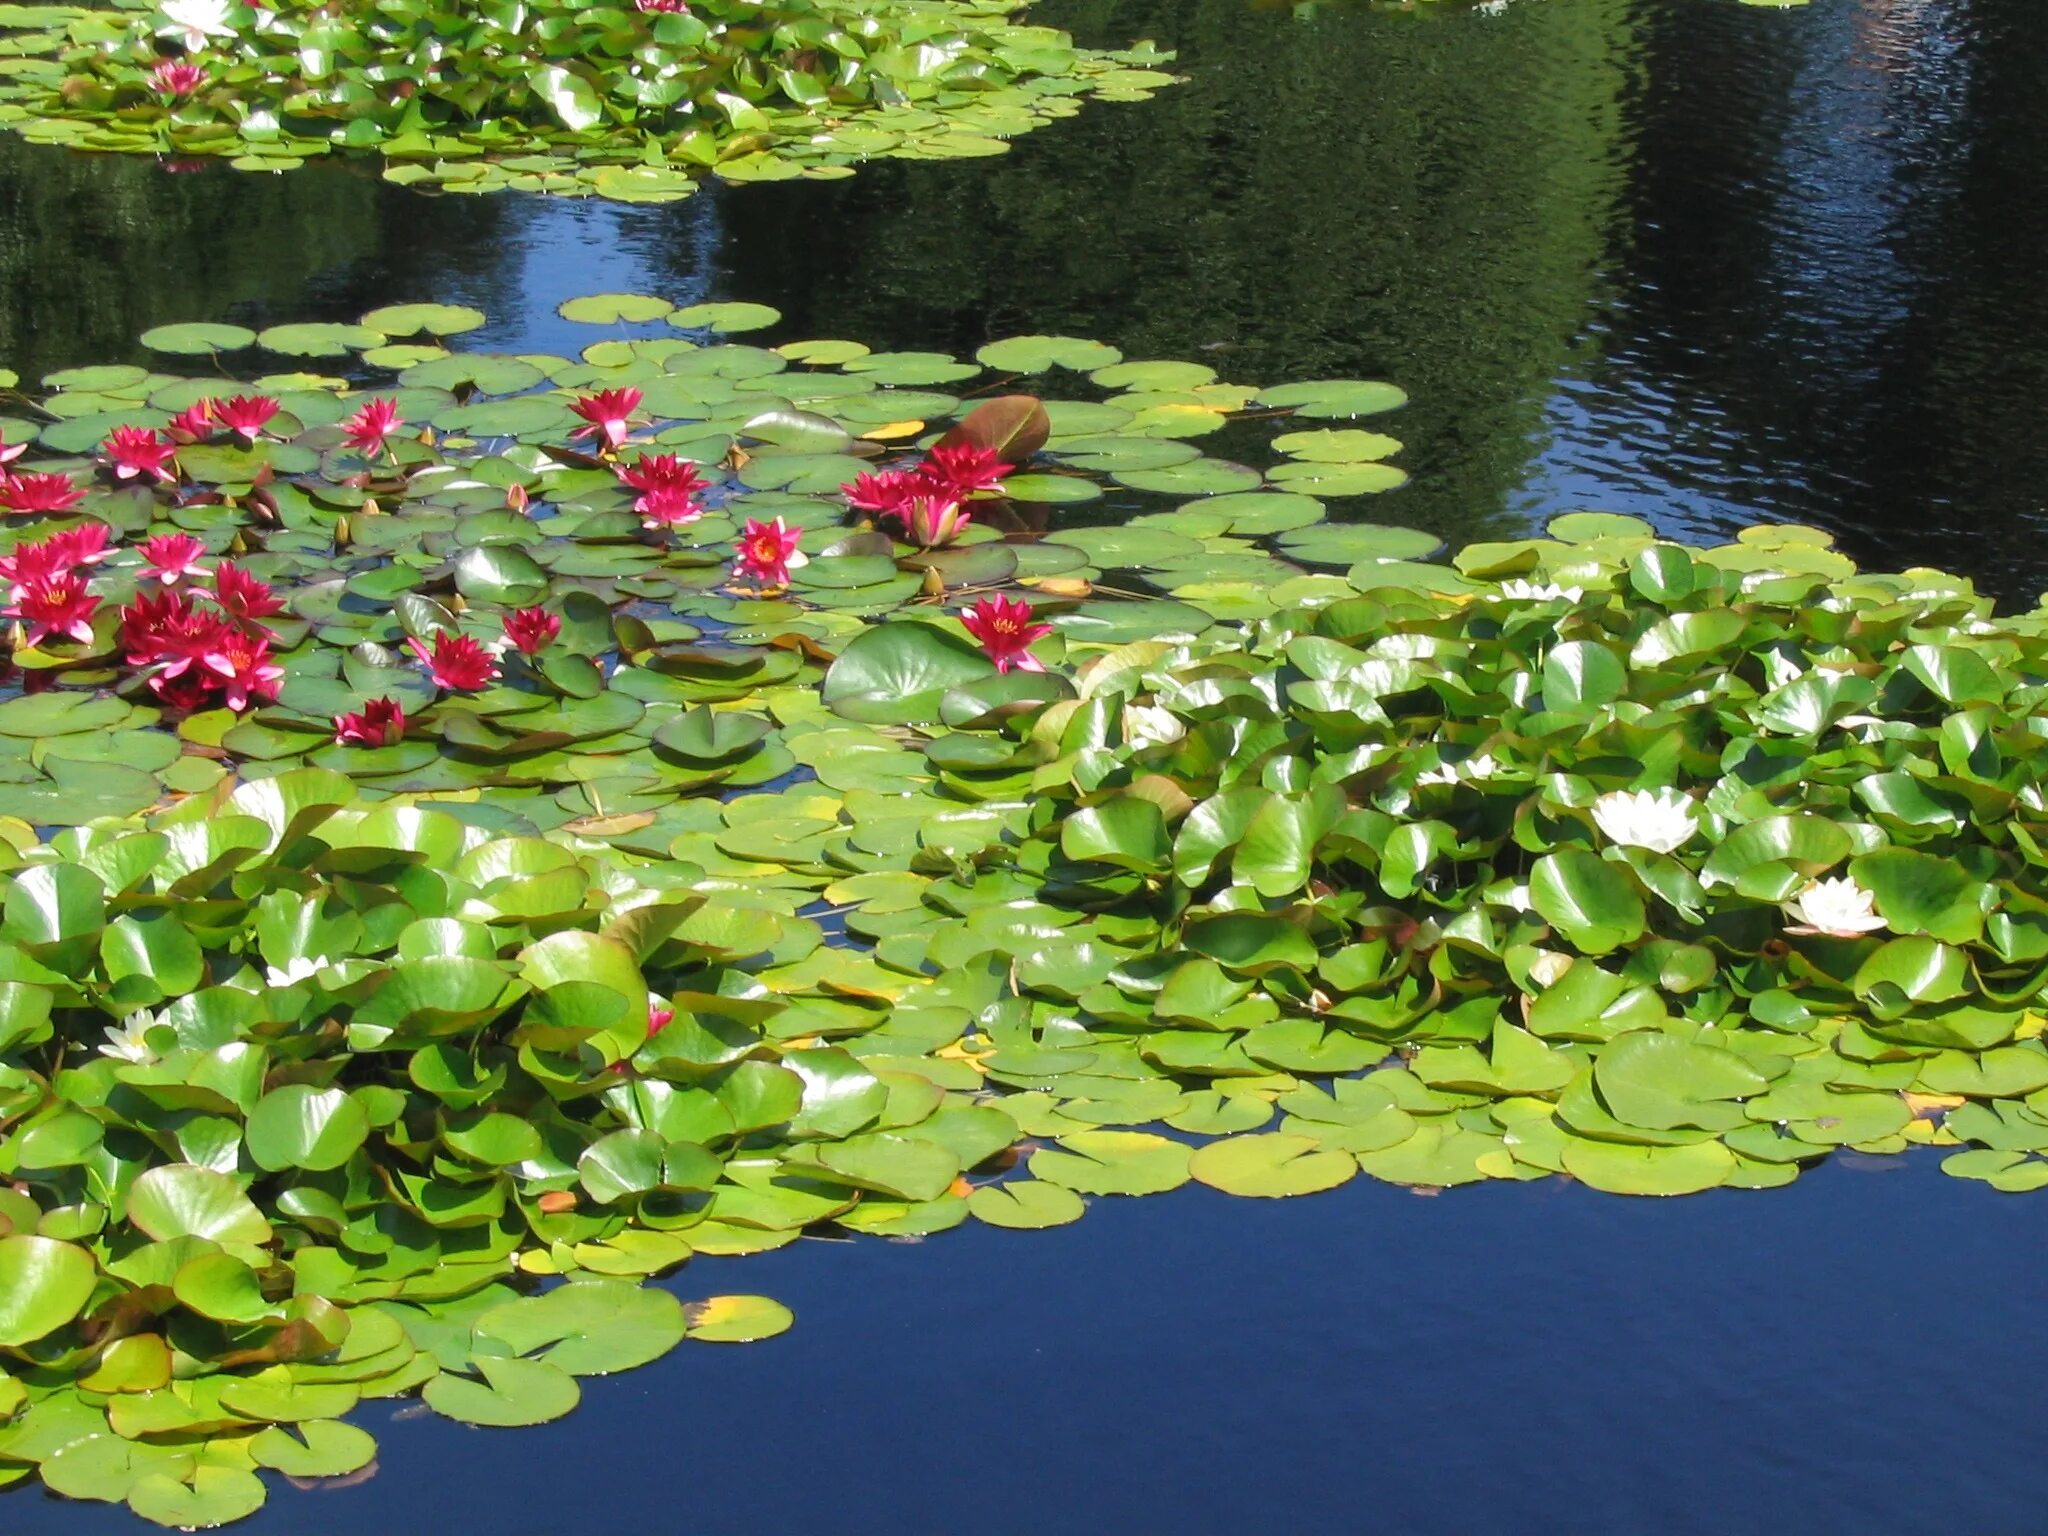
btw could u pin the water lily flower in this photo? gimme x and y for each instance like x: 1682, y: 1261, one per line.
x: 176, y: 78
x: 1481, y: 766
x: 659, y: 1015
x: 456, y: 662
x: 246, y: 672
x: 665, y: 507
x: 58, y: 555
x: 39, y: 493
x: 606, y: 414
x: 295, y: 970
x: 170, y: 556
x: 767, y: 551
x: 372, y: 423
x: 133, y: 451
x: 379, y: 723
x: 1838, y: 908
x: 166, y: 631
x: 194, y: 424
x: 1520, y: 591
x: 881, y: 495
x: 197, y: 20
x: 245, y: 415
x: 933, y: 518
x: 9, y: 452
x: 246, y: 600
x: 531, y: 630
x: 129, y: 1040
x: 56, y: 605
x: 664, y: 7
x: 1004, y: 628
x: 1147, y: 725
x: 965, y: 468
x: 1660, y: 820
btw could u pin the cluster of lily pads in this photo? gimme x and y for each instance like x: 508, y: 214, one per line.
x: 635, y: 102
x: 706, y: 793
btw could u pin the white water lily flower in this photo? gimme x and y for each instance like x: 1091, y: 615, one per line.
x: 1839, y: 908
x: 1660, y: 820
x: 297, y: 969
x: 127, y: 1041
x: 197, y: 20
x: 1148, y: 725
x: 1521, y: 591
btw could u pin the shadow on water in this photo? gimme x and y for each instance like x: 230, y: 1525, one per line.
x: 1708, y: 263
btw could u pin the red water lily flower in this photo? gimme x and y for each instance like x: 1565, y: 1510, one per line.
x: 606, y: 414
x: 247, y: 600
x: 884, y: 494
x: 167, y: 632
x: 39, y: 493
x: 379, y: 723
x: 372, y: 424
x: 965, y: 468
x: 1004, y: 628
x: 767, y: 551
x: 933, y: 518
x: 170, y: 556
x: 55, y: 605
x: 456, y: 662
x: 531, y: 630
x: 194, y: 424
x: 176, y: 78
x: 242, y: 664
x: 133, y: 451
x: 245, y: 415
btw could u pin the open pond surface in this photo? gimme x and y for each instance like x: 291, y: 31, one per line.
x: 1709, y: 264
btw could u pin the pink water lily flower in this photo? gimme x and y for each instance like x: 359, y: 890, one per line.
x: 9, y: 452
x: 531, y: 630
x: 456, y: 662
x: 170, y: 556
x: 606, y: 415
x: 664, y: 7
x: 58, y: 555
x: 965, y: 468
x: 176, y: 78
x: 57, y: 605
x: 246, y: 600
x: 882, y: 495
x: 245, y: 415
x: 933, y: 518
x: 767, y: 551
x: 39, y: 493
x: 243, y: 666
x: 133, y: 451
x: 666, y: 508
x: 1004, y: 628
x: 379, y: 723
x: 194, y: 424
x: 375, y: 421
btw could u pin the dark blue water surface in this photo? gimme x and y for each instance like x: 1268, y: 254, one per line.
x: 1705, y: 262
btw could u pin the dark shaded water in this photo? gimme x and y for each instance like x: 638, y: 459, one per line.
x: 1704, y: 262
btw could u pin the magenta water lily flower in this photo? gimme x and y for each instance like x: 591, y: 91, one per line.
x: 668, y: 488
x: 371, y: 425
x: 245, y: 415
x: 171, y: 556
x: 663, y: 7
x: 133, y: 451
x: 60, y: 554
x: 39, y: 493
x: 606, y: 415
x: 531, y: 630
x: 965, y: 468
x: 244, y: 669
x: 881, y: 495
x: 379, y: 723
x: 1004, y: 628
x: 456, y: 662
x: 55, y: 605
x: 767, y: 551
x: 176, y: 78
x: 246, y: 600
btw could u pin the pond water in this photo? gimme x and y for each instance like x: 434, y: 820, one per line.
x: 1702, y: 262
